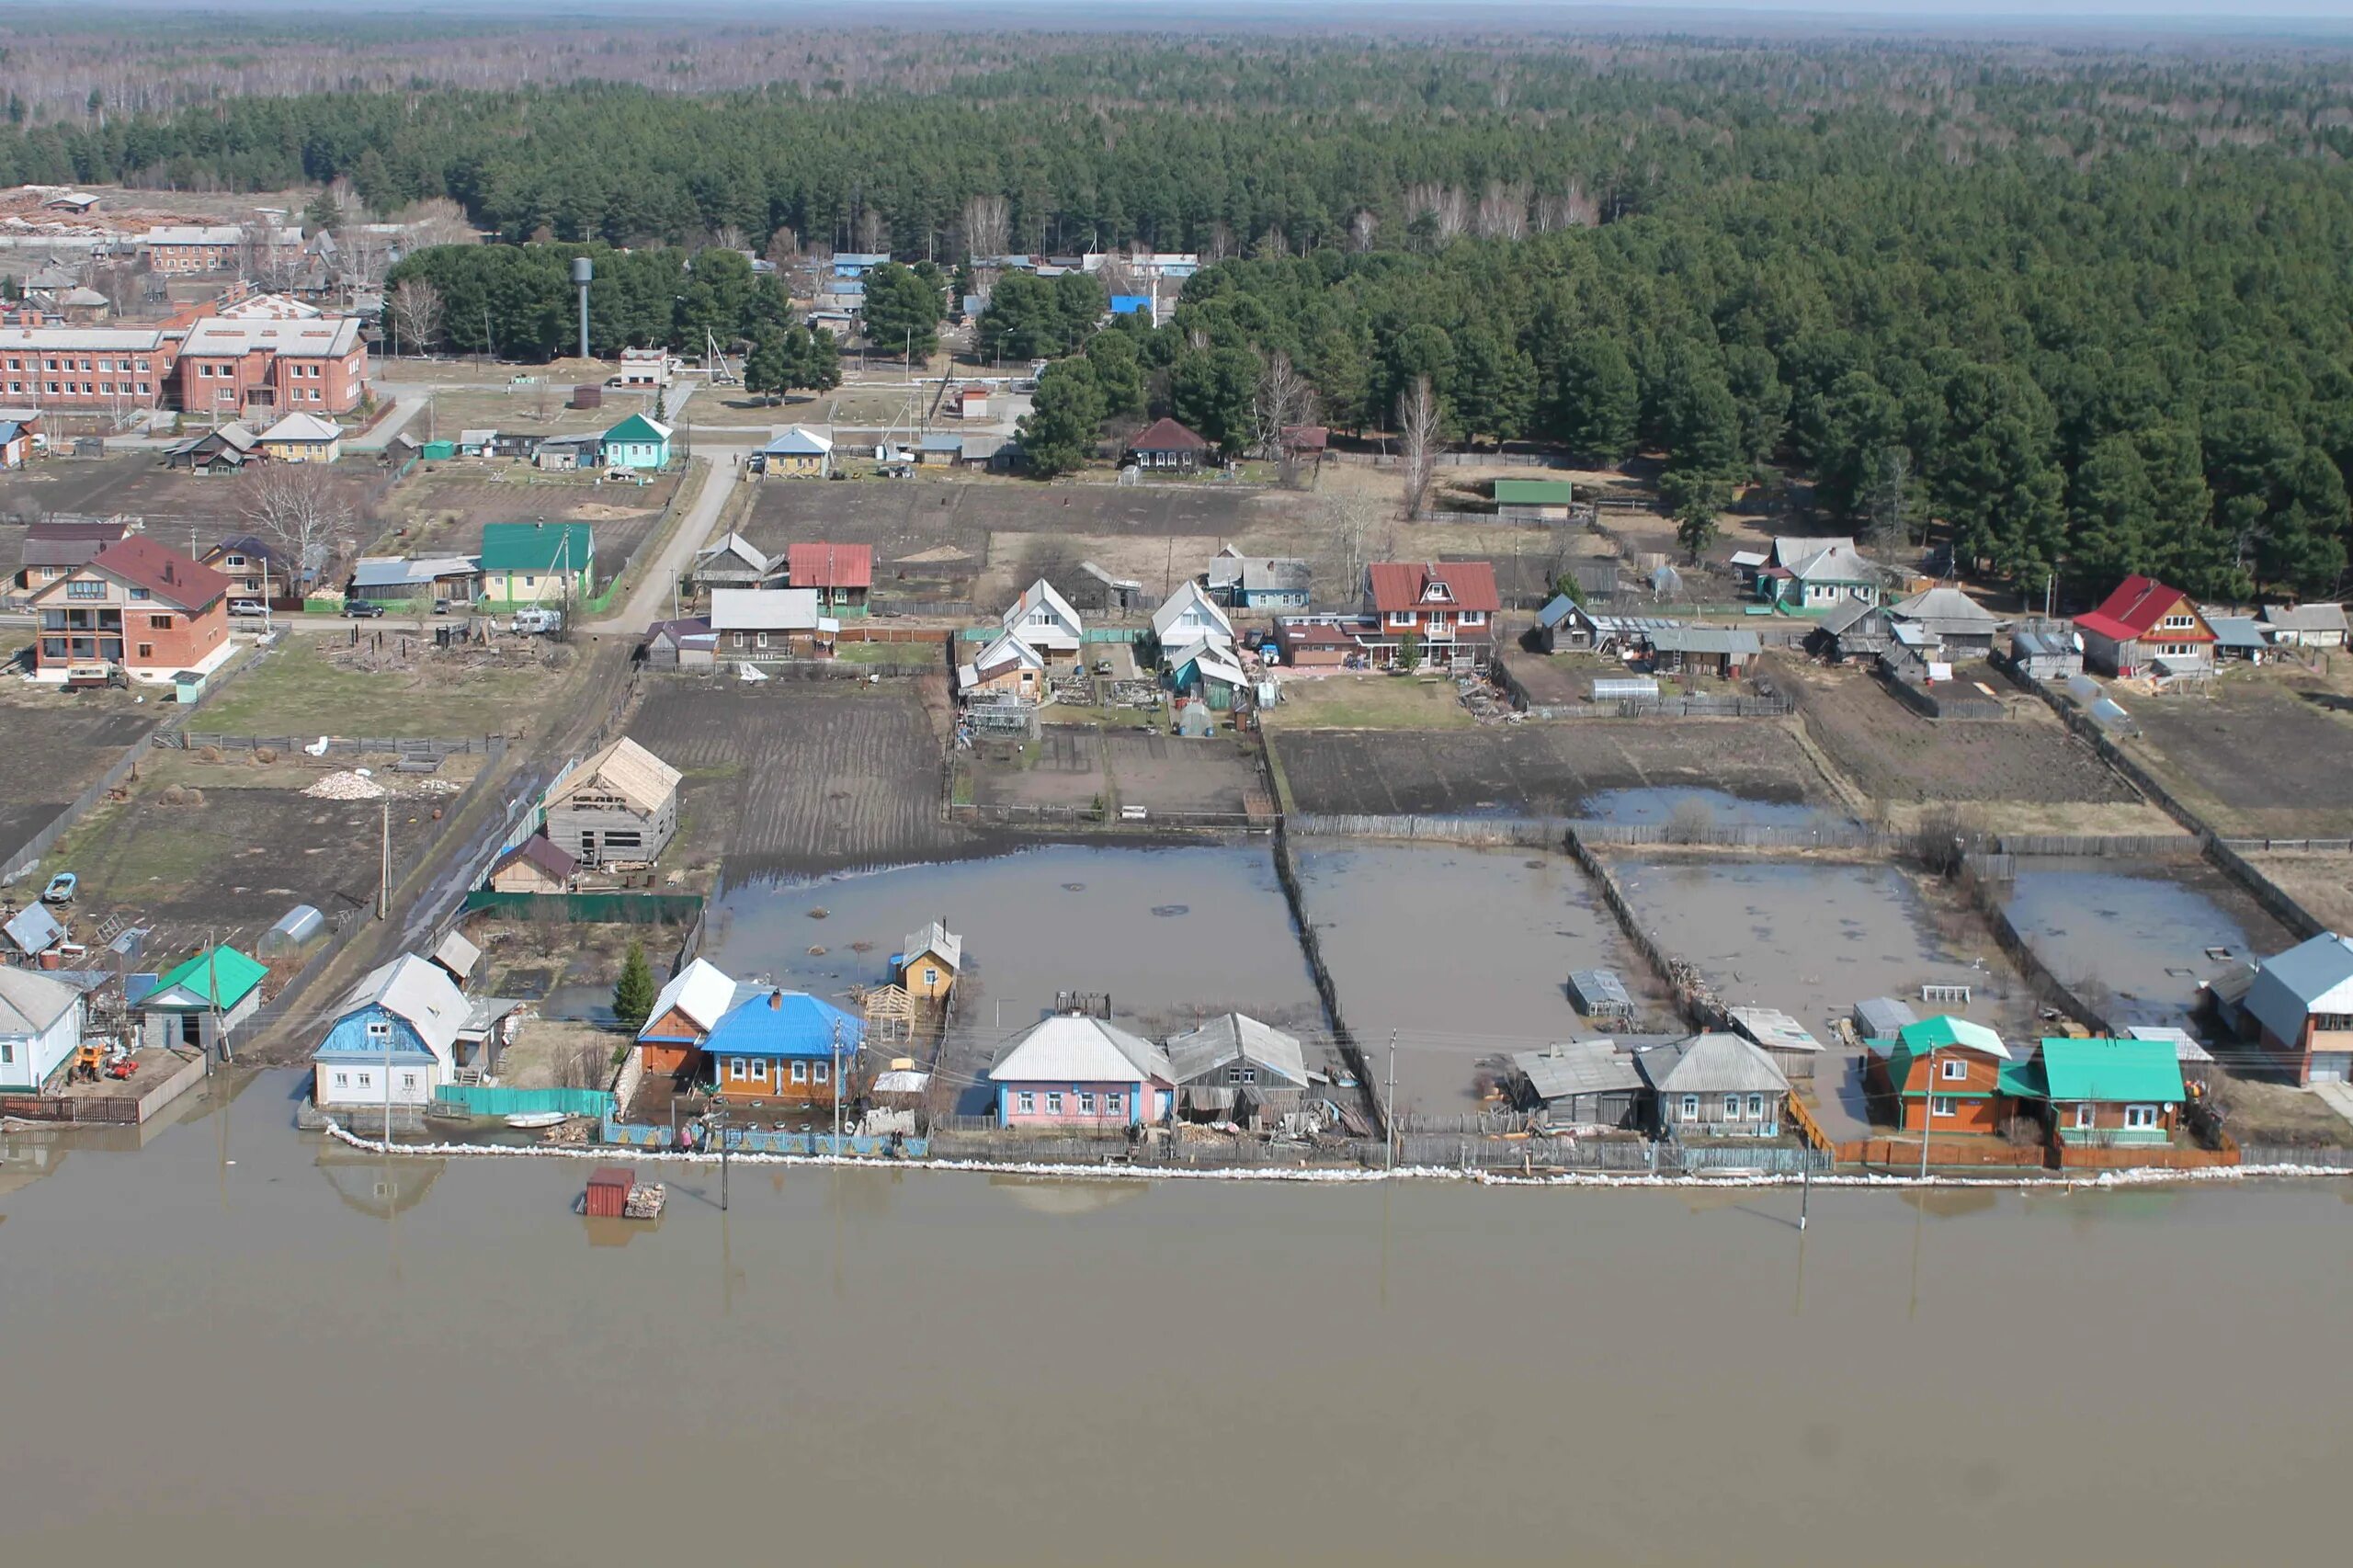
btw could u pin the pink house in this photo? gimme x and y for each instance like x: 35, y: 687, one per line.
x: 1075, y: 1071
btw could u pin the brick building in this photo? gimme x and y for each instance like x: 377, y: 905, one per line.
x: 96, y: 369
x: 292, y: 367
x: 139, y: 604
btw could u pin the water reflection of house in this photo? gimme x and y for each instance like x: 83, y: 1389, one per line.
x: 1714, y: 1084
x: 1075, y: 1071
x: 1234, y: 1068
x: 375, y: 1185
x: 1946, y: 1074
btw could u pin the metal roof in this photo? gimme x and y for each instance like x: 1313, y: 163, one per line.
x: 2110, y: 1070
x: 1947, y: 612
x: 1725, y: 640
x: 1711, y: 1063
x: 2314, y: 976
x: 1578, y: 1067
x: 2305, y: 618
x: 457, y: 955
x: 305, y: 427
x: 937, y: 940
x: 30, y: 1001
x: 1532, y: 493
x: 1944, y: 1032
x: 1599, y: 991
x: 34, y: 929
x: 420, y: 992
x: 799, y: 442
x: 1070, y: 1048
x: 2185, y: 1045
x: 785, y: 1023
x: 1882, y: 1017
x: 233, y: 971
x: 2237, y: 631
x: 763, y: 610
x: 1234, y: 1038
x: 1774, y: 1029
x: 394, y: 571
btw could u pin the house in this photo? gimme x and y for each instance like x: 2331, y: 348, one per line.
x: 619, y: 807
x: 644, y: 367
x: 972, y: 401
x: 1881, y: 1018
x: 567, y: 454
x: 687, y: 644
x: 223, y: 450
x: 783, y: 1045
x: 538, y: 865
x: 87, y: 369
x: 1533, y: 500
x: 2301, y: 1002
x: 2238, y: 637
x: 670, y: 1042
x: 1958, y: 625
x: 1584, y: 1082
x: 842, y: 574
x: 477, y: 443
x: 1789, y: 1042
x: 858, y: 263
x: 637, y: 442
x: 2141, y: 622
x: 1811, y: 573
x: 255, y: 569
x: 1075, y: 1071
x: 40, y: 1027
x: 1007, y: 670
x: 1189, y: 617
x: 1306, y: 441
x: 1322, y: 641
x: 55, y: 546
x: 1253, y: 582
x: 393, y: 579
x: 1234, y: 1068
x: 178, y: 248
x: 927, y: 963
x: 733, y: 561
x: 1713, y: 1086
x: 2104, y: 1092
x: 939, y: 449
x: 394, y: 1039
x: 1166, y: 445
x: 797, y: 451
x: 1447, y: 609
x: 538, y: 563
x: 1724, y: 652
x: 1208, y: 670
x: 301, y: 438
x: 1043, y: 619
x: 1946, y: 1073
x: 137, y: 604
x: 2306, y: 625
x: 2043, y: 654
x: 203, y: 1002
x: 750, y: 622
x: 16, y: 445
x: 314, y: 365
x: 1852, y: 630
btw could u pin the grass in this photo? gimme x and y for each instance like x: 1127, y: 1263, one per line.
x: 1369, y: 702
x: 887, y: 653
x: 497, y: 408
x: 296, y: 690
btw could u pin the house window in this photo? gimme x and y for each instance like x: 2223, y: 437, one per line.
x: 342, y: 1080
x: 378, y: 1029
x: 930, y: 977
x: 2084, y: 1114
x: 408, y: 1080
x: 1953, y: 1071
x: 85, y: 588
x: 160, y: 622
x: 1115, y: 1104
x: 1054, y: 1102
x: 1087, y: 1102
x: 759, y: 1069
x: 1943, y: 1105
x: 735, y: 1071
x: 821, y: 1072
x: 2141, y: 1117
x: 7, y: 1053
x: 1028, y: 1102
x: 801, y: 1071
x: 1691, y: 1108
x: 1731, y: 1108
x: 1756, y: 1107
x: 367, y: 1079
x: 146, y: 650
x: 1242, y: 1074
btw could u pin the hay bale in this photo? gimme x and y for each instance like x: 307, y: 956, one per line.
x: 265, y: 755
x: 173, y: 795
x: 194, y: 797
x: 208, y: 753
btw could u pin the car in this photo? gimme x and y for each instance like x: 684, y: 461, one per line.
x: 364, y: 610
x: 60, y: 888
x: 440, y: 606
x: 247, y: 606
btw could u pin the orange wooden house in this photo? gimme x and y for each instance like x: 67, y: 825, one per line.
x: 685, y: 1012
x: 1945, y: 1074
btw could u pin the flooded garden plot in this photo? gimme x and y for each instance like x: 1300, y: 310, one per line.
x: 2135, y: 943
x: 2266, y: 755
x: 1082, y: 766
x: 1465, y: 952
x: 1541, y: 769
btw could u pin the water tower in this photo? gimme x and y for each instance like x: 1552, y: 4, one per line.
x: 583, y: 272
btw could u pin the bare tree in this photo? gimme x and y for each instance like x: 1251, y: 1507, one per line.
x: 1502, y: 211
x: 363, y: 256
x: 1445, y: 206
x: 728, y: 236
x: 415, y: 308
x: 264, y: 257
x: 869, y: 229
x: 1353, y: 513
x: 305, y: 510
x: 1570, y: 209
x: 1220, y: 245
x: 1362, y: 226
x: 784, y: 247
x: 1418, y: 442
x: 988, y: 225
x: 1284, y: 399
x: 437, y: 220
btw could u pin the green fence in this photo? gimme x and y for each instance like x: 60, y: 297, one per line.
x: 614, y: 908
x: 484, y: 1099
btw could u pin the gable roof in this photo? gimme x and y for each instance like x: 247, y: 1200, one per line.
x: 30, y: 1001
x: 543, y: 852
x: 1190, y: 596
x: 1790, y: 551
x: 233, y: 971
x: 1006, y: 648
x: 1947, y: 612
x: 538, y: 546
x: 1838, y: 562
x: 2237, y: 631
x: 1166, y: 436
x: 763, y: 610
x: 2314, y: 976
x: 1842, y: 617
x: 1944, y: 1032
x: 736, y: 545
x: 1557, y: 608
x: 418, y: 992
x: 1533, y: 491
x: 144, y: 562
x: 303, y: 428
x: 628, y: 770
x: 1041, y: 593
x: 1236, y: 1038
x: 2305, y: 618
x: 1070, y: 1048
x: 252, y: 545
x: 2112, y: 1070
x: 2133, y: 610
x: 637, y: 428
x: 937, y: 940
x: 1710, y: 1063
x: 1578, y: 1067
x: 818, y: 564
x: 455, y: 953
x: 1402, y: 584
x: 701, y: 991
x: 773, y: 1022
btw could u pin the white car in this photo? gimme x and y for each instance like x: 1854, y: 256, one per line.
x: 247, y: 606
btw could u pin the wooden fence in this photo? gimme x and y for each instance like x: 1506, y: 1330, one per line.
x: 492, y: 746
x: 1533, y: 832
x: 2288, y: 846
x: 2125, y: 845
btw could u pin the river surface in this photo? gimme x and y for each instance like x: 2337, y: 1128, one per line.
x: 244, y: 1347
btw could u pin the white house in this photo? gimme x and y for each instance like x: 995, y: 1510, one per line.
x: 1043, y: 619
x: 1189, y: 616
x: 40, y: 1027
x: 751, y: 620
x: 394, y: 1039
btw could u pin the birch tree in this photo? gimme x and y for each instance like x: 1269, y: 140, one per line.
x: 1418, y: 442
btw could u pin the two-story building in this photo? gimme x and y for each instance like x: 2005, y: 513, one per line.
x: 842, y: 574
x: 93, y: 369
x: 1441, y: 613
x: 138, y: 605
x: 2145, y: 628
x: 2301, y: 1005
x: 178, y: 249
x: 55, y: 546
x: 394, y: 1040
x: 1945, y: 1074
x: 618, y: 808
x: 1044, y: 620
x: 256, y: 570
x: 267, y: 367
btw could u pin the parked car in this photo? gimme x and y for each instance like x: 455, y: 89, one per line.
x: 364, y: 610
x: 247, y: 606
x: 536, y: 620
x: 60, y: 888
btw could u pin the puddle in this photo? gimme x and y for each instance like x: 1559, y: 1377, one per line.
x: 2133, y: 943
x: 1665, y: 804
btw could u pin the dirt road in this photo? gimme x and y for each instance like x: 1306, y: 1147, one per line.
x: 717, y: 473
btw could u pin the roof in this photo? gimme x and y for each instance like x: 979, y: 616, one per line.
x: 2133, y: 610
x: 1070, y: 1048
x: 736, y: 545
x: 246, y: 544
x: 233, y: 972
x: 100, y: 339
x: 396, y: 571
x: 536, y: 546
x: 799, y: 442
x: 2185, y: 1045
x: 785, y: 1023
x: 1600, y: 990
x: 1532, y: 491
x: 1881, y: 1018
x: 301, y: 427
x: 628, y: 770
x: 1273, y: 574
x: 1307, y: 437
x: 1944, y: 1032
x: 1399, y: 584
x: 30, y: 1001
x: 1789, y: 549
x: 2314, y: 976
x: 409, y: 988
x: 1840, y: 563
x: 1774, y: 1029
x: 68, y: 544
x: 1210, y: 660
x: 685, y: 629
x: 457, y: 955
x: 2237, y: 631
x: 326, y: 338
x: 1578, y: 1067
x: 1843, y: 616
x: 823, y: 566
x: 1189, y: 595
x: 1234, y: 1038
x: 2305, y: 618
x: 1041, y: 593
x: 763, y: 610
x: 543, y: 852
x: 1725, y: 639
x: 637, y: 428
x: 1947, y: 612
x: 1166, y: 436
x: 2112, y: 1070
x: 1711, y: 1063
x: 34, y: 929
x: 1557, y: 608
x: 937, y: 940
x: 168, y: 576
x: 701, y: 991
x: 1005, y: 648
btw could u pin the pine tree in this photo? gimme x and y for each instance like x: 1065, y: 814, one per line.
x: 634, y: 992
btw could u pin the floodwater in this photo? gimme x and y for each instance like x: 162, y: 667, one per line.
x: 1660, y: 804
x: 1464, y: 952
x: 1167, y: 932
x: 309, y: 1354
x: 2132, y: 943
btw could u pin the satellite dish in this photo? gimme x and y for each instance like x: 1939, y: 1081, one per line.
x: 2078, y: 638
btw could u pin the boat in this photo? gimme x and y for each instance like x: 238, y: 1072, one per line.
x: 532, y: 1120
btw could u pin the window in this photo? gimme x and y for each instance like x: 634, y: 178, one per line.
x: 1952, y: 1070
x: 801, y: 1071
x: 342, y: 1080
x: 759, y: 1069
x: 160, y: 622
x: 1943, y: 1105
x: 1756, y: 1107
x: 7, y: 1053
x: 138, y: 593
x: 821, y: 1072
x: 2084, y: 1114
x: 146, y: 650
x: 736, y: 1069
x: 1087, y: 1102
x: 530, y: 582
x: 378, y: 1029
x: 408, y: 1080
x: 1242, y: 1074
x: 2140, y: 1116
x: 1115, y: 1104
x: 1691, y: 1108
x: 366, y: 1079
x: 1028, y: 1102
x: 1731, y: 1108
x: 1054, y: 1102
x: 85, y: 588
x: 930, y: 976
x: 107, y: 365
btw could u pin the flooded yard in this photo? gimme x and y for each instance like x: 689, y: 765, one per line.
x: 2136, y: 943
x: 1464, y: 952
x: 1660, y: 805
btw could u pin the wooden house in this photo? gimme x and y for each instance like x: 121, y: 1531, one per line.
x: 1234, y: 1068
x: 394, y: 1040
x: 1258, y: 582
x: 301, y: 438
x: 538, y: 563
x: 618, y: 808
x: 2146, y: 628
x: 670, y: 1042
x: 535, y: 865
x: 1723, y: 652
x: 40, y: 1027
x: 1816, y: 572
x: 1446, y: 610
x: 927, y: 963
x: 1533, y: 500
x: 1584, y: 1083
x: 1713, y: 1086
x: 2104, y: 1092
x: 1165, y: 445
x: 1075, y: 1071
x: 755, y: 623
x: 842, y: 575
x: 637, y: 443
x: 1045, y: 620
x: 1789, y: 1042
x: 689, y: 644
x: 796, y: 452
x: 1955, y: 626
x: 257, y: 569
x: 2306, y: 625
x: 1005, y: 669
x: 1944, y: 1075
x: 733, y: 562
x: 786, y: 1047
x: 202, y: 1002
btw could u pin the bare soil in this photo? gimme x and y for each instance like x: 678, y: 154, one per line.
x: 57, y: 743
x: 443, y: 507
x: 2259, y: 1110
x: 2322, y: 884
x: 180, y: 509
x: 2267, y: 755
x: 1077, y: 766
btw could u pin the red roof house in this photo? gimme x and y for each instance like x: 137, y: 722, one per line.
x: 138, y: 604
x: 1448, y: 607
x: 2141, y: 622
x: 1163, y: 443
x: 842, y: 574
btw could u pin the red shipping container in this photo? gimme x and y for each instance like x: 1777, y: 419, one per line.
x: 608, y: 1191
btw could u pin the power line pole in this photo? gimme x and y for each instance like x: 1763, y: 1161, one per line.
x: 1927, y: 1112
x: 838, y: 1086
x: 1389, y: 1109
x: 384, y: 864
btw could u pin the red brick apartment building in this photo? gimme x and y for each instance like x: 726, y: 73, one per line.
x: 95, y: 369
x: 289, y: 367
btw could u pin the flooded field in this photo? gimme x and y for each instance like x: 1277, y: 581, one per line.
x: 2134, y: 943
x: 1465, y: 952
x: 1660, y: 805
x: 868, y: 1363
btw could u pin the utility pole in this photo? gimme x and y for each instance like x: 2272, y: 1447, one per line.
x: 1927, y: 1112
x: 718, y: 1116
x: 212, y: 996
x: 1389, y: 1109
x: 838, y: 1086
x: 384, y: 864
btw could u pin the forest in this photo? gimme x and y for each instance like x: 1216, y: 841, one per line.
x: 2088, y: 308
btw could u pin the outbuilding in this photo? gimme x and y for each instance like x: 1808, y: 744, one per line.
x: 1586, y: 1083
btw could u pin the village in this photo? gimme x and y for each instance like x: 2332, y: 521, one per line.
x: 595, y: 756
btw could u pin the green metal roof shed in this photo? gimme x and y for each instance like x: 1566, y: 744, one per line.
x: 1532, y: 493
x: 191, y: 984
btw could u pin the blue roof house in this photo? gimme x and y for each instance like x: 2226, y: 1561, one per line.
x: 394, y: 1039
x: 783, y: 1045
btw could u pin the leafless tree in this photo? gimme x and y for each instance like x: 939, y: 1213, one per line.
x: 727, y: 236
x: 1285, y: 398
x: 306, y: 511
x: 988, y: 225
x: 1353, y: 514
x: 784, y: 247
x: 263, y: 255
x: 362, y: 254
x: 416, y: 307
x: 1418, y: 442
x: 1220, y: 245
x: 437, y: 220
x: 1117, y: 275
x: 1570, y: 209
x: 1445, y: 206
x: 1502, y: 211
x: 869, y: 229
x: 1362, y: 226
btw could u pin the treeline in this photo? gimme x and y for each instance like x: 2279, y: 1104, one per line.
x: 519, y: 302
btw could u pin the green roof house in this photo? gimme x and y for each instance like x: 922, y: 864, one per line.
x: 637, y: 442
x: 2104, y: 1092
x: 200, y: 1003
x: 1533, y: 500
x: 538, y: 563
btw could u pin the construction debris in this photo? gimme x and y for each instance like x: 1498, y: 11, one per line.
x: 345, y: 785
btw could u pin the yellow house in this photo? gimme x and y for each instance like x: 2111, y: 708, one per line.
x: 302, y: 438
x: 798, y: 451
x: 928, y: 962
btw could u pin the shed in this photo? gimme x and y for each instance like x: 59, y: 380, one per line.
x: 1533, y: 500
x: 608, y: 1189
x: 1600, y: 993
x: 2046, y: 654
x: 2307, y: 625
x: 1585, y: 1081
x: 1882, y: 1017
x: 2197, y: 1062
x: 2238, y: 637
x: 33, y: 930
x: 1724, y: 652
x: 1790, y: 1045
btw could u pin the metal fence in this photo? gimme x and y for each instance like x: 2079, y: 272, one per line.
x: 594, y: 908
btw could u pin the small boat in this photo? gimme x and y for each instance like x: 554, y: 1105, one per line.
x: 532, y: 1120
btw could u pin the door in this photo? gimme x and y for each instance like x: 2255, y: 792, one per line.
x: 2332, y: 1066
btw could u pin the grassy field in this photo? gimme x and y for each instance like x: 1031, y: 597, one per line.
x: 295, y: 690
x: 541, y: 409
x: 1369, y: 702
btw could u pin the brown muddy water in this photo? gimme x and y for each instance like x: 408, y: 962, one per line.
x: 310, y: 1356
x: 1464, y: 952
x: 2133, y: 942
